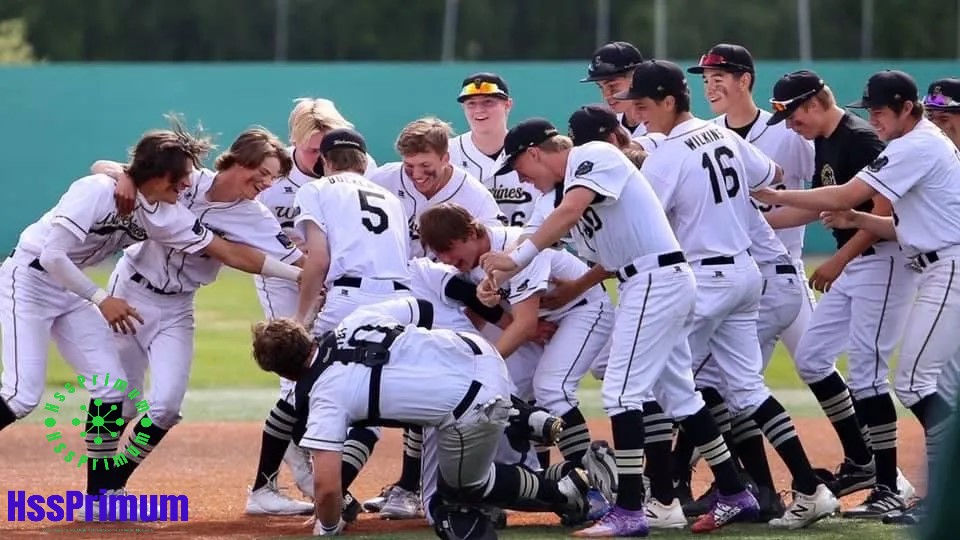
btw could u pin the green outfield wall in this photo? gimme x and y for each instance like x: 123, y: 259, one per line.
x: 58, y: 118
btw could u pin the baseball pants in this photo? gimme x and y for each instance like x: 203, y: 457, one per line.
x: 864, y: 314
x: 724, y: 331
x: 278, y: 298
x: 34, y: 309
x: 791, y: 334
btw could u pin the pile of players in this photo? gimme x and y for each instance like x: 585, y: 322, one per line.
x: 459, y: 295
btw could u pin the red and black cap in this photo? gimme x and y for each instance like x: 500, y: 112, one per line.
x: 885, y: 88
x: 727, y: 57
x: 524, y: 135
x: 483, y: 84
x: 943, y: 95
x: 792, y: 91
x: 591, y: 123
x: 655, y: 79
x: 613, y: 60
x: 342, y: 138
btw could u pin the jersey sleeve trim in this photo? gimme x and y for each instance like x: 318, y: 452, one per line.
x: 200, y: 243
x: 767, y: 178
x: 874, y: 181
x: 307, y: 217
x: 71, y: 225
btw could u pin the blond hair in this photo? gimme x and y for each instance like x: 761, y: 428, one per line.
x: 557, y: 143
x: 424, y: 135
x: 313, y: 115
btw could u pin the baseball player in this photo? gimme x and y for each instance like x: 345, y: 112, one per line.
x: 584, y: 323
x: 608, y: 201
x: 161, y: 283
x: 942, y: 104
x: 611, y: 69
x: 371, y: 369
x: 786, y: 303
x: 867, y: 293
x: 424, y: 177
x: 919, y: 172
x: 45, y: 293
x: 486, y: 105
x: 703, y: 174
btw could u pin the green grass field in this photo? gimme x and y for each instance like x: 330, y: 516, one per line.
x: 227, y: 308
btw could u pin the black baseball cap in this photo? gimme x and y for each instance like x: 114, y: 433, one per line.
x: 792, y: 91
x: 342, y: 138
x: 613, y: 60
x: 656, y: 79
x: 483, y: 84
x: 522, y: 136
x: 727, y: 57
x: 886, y: 88
x: 591, y: 123
x: 943, y: 95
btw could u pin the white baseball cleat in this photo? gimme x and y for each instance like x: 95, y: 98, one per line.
x: 374, y: 504
x: 301, y: 466
x: 401, y: 504
x: 906, y: 489
x: 807, y: 509
x: 661, y: 516
x: 601, y: 466
x: 269, y: 501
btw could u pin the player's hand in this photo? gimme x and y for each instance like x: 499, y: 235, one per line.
x: 824, y: 276
x: 766, y: 195
x: 842, y: 219
x: 497, y: 261
x: 545, y: 331
x: 120, y: 315
x: 125, y: 194
x: 488, y: 293
x: 562, y: 293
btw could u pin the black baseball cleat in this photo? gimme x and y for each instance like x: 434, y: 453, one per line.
x: 351, y: 508
x: 703, y: 504
x: 881, y: 501
x: 771, y: 504
x: 910, y: 516
x: 851, y: 478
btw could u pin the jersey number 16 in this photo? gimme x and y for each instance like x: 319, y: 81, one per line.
x: 731, y: 181
x: 377, y: 222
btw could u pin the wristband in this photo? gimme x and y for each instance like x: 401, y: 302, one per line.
x: 524, y: 254
x: 99, y: 296
x: 274, y: 268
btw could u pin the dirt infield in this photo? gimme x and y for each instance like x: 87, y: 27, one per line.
x: 212, y: 464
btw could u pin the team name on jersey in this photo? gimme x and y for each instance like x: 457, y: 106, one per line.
x: 515, y: 195
x: 286, y: 214
x: 702, y: 137
x: 115, y: 222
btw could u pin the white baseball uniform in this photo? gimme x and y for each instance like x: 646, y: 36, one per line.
x: 795, y: 156
x: 514, y: 198
x: 920, y: 174
x: 629, y: 232
x: 278, y: 297
x: 462, y: 188
x: 366, y: 232
x: 703, y: 174
x: 637, y: 131
x: 650, y: 141
x: 85, y: 228
x: 161, y: 284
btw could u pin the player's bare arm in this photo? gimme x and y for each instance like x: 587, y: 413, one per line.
x: 786, y: 217
x: 315, y: 270
x: 565, y: 291
x: 882, y: 226
x: 126, y: 193
x: 327, y: 492
x: 523, y: 328
x: 249, y: 260
x: 557, y: 224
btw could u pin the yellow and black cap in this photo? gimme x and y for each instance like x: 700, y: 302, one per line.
x: 483, y: 84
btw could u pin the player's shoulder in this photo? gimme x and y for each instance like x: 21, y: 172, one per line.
x: 584, y: 157
x: 387, y: 173
x: 94, y: 183
x: 426, y: 266
x: 650, y: 141
x: 460, y: 145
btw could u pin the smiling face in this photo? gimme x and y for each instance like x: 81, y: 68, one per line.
x: 487, y: 114
x: 657, y: 116
x: 533, y: 167
x: 724, y: 89
x: 948, y: 122
x: 427, y: 170
x: 611, y: 87
x: 255, y: 180
x: 888, y: 123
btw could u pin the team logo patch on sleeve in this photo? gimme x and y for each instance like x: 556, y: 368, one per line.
x: 878, y: 164
x: 197, y: 228
x: 583, y: 168
x: 285, y: 240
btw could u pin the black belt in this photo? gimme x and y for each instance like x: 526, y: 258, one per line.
x: 138, y: 278
x: 717, y: 261
x: 667, y: 259
x: 869, y: 251
x: 924, y: 260
x: 350, y: 281
x: 35, y: 264
x: 786, y: 269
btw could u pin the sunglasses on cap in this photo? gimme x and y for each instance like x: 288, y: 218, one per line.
x: 781, y: 106
x: 716, y: 60
x: 939, y: 100
x: 482, y: 89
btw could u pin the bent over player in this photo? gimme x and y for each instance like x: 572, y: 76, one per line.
x: 608, y: 200
x: 373, y: 368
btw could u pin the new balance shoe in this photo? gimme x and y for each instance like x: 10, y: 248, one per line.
x: 807, y: 509
x: 662, y: 516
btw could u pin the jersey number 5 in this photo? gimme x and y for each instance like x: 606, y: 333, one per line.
x: 731, y: 182
x: 382, y: 222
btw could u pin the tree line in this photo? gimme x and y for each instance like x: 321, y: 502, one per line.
x: 488, y: 30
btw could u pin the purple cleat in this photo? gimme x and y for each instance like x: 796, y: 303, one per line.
x: 728, y: 509
x: 617, y: 522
